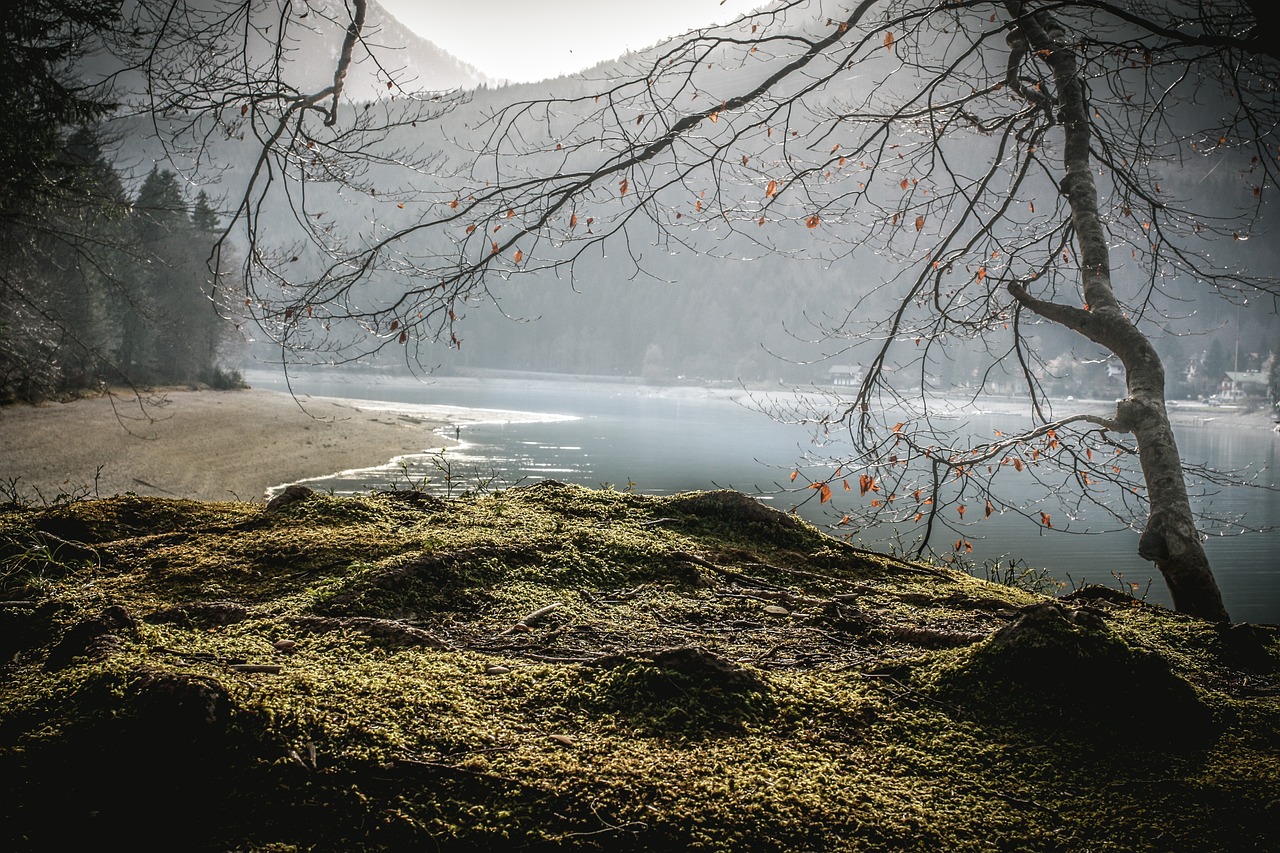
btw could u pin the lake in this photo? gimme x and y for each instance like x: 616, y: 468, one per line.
x: 662, y: 441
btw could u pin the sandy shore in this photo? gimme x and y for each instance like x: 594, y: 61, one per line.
x: 208, y: 445
x: 235, y: 445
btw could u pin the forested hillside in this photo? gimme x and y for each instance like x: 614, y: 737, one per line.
x: 101, y: 286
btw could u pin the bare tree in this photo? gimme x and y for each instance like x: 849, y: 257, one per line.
x: 978, y: 171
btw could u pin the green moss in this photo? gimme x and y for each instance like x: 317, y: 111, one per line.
x: 555, y: 667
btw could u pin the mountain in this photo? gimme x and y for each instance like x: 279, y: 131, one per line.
x: 414, y: 62
x: 705, y: 298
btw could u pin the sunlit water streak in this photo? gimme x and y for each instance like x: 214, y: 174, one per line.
x: 662, y: 442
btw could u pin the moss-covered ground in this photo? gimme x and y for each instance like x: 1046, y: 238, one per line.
x: 554, y: 667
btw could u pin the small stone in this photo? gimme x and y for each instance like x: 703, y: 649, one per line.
x: 496, y: 669
x: 777, y: 610
x: 563, y: 740
x: 284, y: 645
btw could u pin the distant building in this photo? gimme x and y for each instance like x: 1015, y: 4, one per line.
x: 843, y: 374
x: 1246, y: 383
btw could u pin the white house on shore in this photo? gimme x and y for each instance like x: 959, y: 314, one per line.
x: 1246, y: 383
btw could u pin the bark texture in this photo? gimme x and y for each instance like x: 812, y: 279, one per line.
x: 1170, y: 539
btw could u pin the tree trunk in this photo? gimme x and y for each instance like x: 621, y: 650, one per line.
x: 1170, y: 539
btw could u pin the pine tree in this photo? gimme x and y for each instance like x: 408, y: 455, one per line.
x: 204, y: 219
x: 176, y: 335
x: 62, y: 278
x: 39, y: 41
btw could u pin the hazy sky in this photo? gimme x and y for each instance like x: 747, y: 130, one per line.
x: 525, y: 40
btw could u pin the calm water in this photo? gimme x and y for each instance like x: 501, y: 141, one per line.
x: 680, y: 440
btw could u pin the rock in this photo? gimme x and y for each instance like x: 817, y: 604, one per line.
x: 291, y: 495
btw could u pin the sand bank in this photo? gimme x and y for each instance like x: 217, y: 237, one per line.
x: 208, y: 445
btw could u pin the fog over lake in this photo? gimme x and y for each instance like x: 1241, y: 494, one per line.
x: 667, y: 440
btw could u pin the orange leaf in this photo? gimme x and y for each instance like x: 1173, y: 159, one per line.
x: 826, y: 494
x: 982, y: 273
x: 400, y: 205
x: 404, y: 336
x: 990, y: 509
x: 905, y: 183
x: 519, y: 256
x: 960, y: 509
x: 919, y: 515
x: 471, y: 228
x: 573, y: 220
x: 495, y: 247
x: 1044, y: 519
x: 888, y: 40
x: 920, y: 222
x: 794, y: 474
x: 453, y: 205
x: 813, y: 221
x: 1017, y: 464
x: 623, y: 186
x: 770, y: 190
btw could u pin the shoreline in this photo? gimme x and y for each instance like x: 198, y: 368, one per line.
x: 246, y: 444
x: 206, y: 445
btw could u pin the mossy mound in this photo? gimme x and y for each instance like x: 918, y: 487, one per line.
x: 1070, y: 672
x: 553, y: 667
